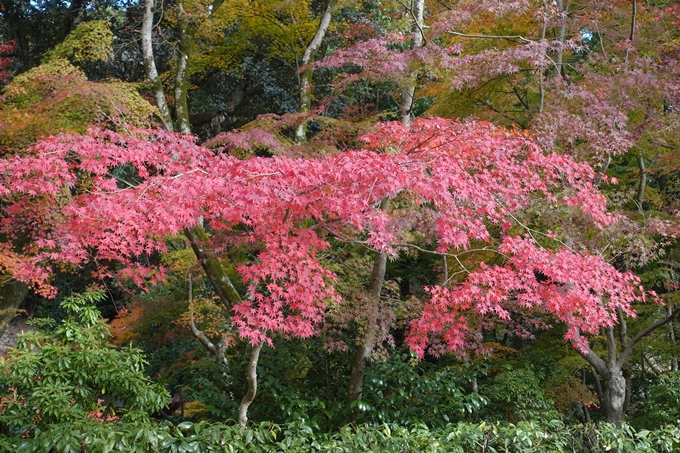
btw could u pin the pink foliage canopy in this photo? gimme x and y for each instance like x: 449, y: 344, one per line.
x: 121, y: 195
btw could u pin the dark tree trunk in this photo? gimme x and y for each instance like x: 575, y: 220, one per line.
x: 12, y: 296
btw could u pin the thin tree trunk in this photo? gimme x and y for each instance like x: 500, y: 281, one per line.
x: 674, y: 356
x: 633, y: 17
x: 150, y: 66
x: 252, y: 385
x: 181, y: 104
x: 356, y: 379
x: 643, y: 181
x: 306, y: 76
x: 561, y: 35
x: 417, y: 40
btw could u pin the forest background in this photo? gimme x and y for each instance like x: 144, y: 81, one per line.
x: 397, y: 226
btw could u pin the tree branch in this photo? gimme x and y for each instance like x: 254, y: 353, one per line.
x: 593, y: 359
x: 466, y: 35
x: 218, y: 350
x: 524, y: 103
x: 623, y: 327
x: 213, y: 268
x: 602, y: 172
x: 629, y: 349
x: 611, y: 345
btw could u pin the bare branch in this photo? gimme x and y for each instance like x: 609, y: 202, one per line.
x: 466, y: 35
x: 629, y: 349
x: 219, y: 350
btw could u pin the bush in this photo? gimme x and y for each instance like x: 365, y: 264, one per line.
x: 523, y: 437
x: 68, y: 377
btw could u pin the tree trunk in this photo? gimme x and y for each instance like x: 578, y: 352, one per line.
x: 306, y: 76
x: 417, y: 40
x: 150, y: 66
x: 614, y: 393
x: 643, y: 181
x: 561, y: 35
x: 213, y: 268
x: 252, y: 385
x: 356, y: 379
x: 196, y: 235
x: 181, y: 104
x: 631, y: 37
x: 12, y: 295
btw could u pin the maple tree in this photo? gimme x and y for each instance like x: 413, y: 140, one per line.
x: 453, y: 182
x: 572, y: 73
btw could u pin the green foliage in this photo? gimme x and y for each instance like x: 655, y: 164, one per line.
x: 69, y: 374
x: 299, y: 382
x: 517, y: 395
x: 57, y: 97
x: 523, y: 437
x: 662, y: 402
x: 408, y: 392
x: 91, y: 41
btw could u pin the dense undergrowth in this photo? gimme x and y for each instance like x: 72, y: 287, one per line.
x: 523, y: 437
